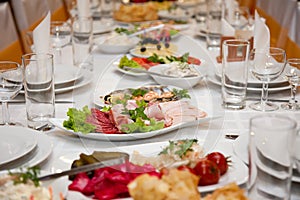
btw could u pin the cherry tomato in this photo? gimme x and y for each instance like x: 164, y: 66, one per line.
x: 192, y: 60
x: 186, y: 168
x: 220, y: 160
x: 208, y: 172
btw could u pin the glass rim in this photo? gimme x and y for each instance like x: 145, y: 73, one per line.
x: 292, y: 125
x: 236, y: 42
x: 267, y: 50
x: 29, y: 56
x: 293, y: 60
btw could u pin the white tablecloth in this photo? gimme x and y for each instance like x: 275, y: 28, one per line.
x: 206, y: 94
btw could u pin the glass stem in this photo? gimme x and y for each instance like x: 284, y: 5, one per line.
x: 5, y: 113
x: 293, y: 93
x: 264, y: 93
x: 58, y: 55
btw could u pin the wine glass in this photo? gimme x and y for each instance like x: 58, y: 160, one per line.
x: 60, y: 33
x: 293, y: 76
x: 11, y: 81
x: 266, y: 65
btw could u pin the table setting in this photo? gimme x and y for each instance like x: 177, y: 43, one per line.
x: 149, y: 89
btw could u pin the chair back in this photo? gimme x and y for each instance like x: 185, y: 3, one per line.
x: 10, y: 45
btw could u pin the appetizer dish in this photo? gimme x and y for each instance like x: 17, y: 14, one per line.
x: 24, y: 184
x: 154, y: 59
x: 178, y: 74
x: 182, y: 169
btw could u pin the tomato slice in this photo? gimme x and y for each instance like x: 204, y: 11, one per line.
x: 193, y: 60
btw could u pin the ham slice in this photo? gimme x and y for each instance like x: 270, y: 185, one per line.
x: 118, y: 117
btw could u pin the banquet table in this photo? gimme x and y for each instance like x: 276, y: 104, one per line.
x: 206, y: 95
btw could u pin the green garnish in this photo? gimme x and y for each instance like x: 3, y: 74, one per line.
x: 125, y: 62
x: 106, y: 109
x: 156, y: 59
x: 24, y: 176
x: 139, y: 111
x: 123, y: 30
x: 183, y: 58
x: 180, y: 94
x: 139, y: 126
x: 77, y: 120
x: 181, y: 147
x: 138, y: 92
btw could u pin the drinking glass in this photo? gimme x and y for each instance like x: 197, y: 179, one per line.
x: 11, y: 79
x: 293, y: 76
x: 60, y: 33
x: 266, y: 65
x: 271, y: 157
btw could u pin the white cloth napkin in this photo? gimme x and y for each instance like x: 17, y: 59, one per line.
x: 41, y: 35
x: 227, y: 29
x: 83, y: 7
x: 261, y: 33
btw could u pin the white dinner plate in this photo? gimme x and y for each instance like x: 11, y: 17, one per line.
x: 40, y: 153
x: 237, y: 172
x: 15, y: 143
x: 132, y: 136
x: 86, y: 78
x: 100, y: 27
x: 252, y: 80
x: 64, y: 74
x: 178, y: 14
x: 214, y: 80
x: 240, y: 148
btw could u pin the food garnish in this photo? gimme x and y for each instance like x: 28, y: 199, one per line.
x: 77, y: 120
x: 30, y: 174
x: 181, y: 147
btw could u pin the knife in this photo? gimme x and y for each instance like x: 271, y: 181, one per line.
x: 85, y: 168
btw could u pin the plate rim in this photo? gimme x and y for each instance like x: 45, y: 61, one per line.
x: 20, y: 132
x: 74, y: 69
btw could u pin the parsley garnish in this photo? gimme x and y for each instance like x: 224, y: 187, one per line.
x: 138, y: 92
x: 180, y: 94
x: 156, y: 59
x: 181, y: 147
x: 23, y: 177
x: 139, y: 111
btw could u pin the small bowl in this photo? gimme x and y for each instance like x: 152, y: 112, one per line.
x: 119, y: 48
x: 181, y: 82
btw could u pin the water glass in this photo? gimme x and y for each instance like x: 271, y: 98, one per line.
x: 271, y: 142
x: 235, y: 73
x: 82, y: 42
x: 38, y: 70
x: 214, y: 14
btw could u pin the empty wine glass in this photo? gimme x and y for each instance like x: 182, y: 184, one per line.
x: 60, y: 33
x: 293, y: 76
x: 266, y: 65
x: 11, y: 79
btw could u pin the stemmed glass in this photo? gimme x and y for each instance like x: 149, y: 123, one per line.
x: 60, y: 33
x: 11, y: 78
x: 293, y: 76
x: 266, y: 65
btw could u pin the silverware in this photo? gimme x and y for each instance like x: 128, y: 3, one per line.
x: 23, y: 101
x: 85, y: 168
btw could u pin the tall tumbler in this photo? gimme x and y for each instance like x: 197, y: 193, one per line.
x: 82, y: 42
x: 235, y: 73
x: 214, y: 15
x: 271, y: 143
x: 38, y: 70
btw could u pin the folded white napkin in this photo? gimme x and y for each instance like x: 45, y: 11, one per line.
x: 227, y: 29
x: 83, y: 7
x: 261, y: 33
x: 41, y: 35
x: 230, y: 6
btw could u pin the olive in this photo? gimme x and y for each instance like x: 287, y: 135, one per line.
x: 143, y: 49
x: 158, y: 47
x: 167, y: 45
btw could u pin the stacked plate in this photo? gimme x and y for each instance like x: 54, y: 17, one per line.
x: 23, y: 147
x: 254, y: 85
x: 69, y: 77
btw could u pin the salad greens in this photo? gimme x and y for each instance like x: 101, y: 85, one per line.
x: 180, y: 94
x: 77, y: 120
x: 128, y: 63
x: 140, y: 126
